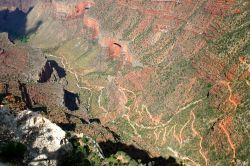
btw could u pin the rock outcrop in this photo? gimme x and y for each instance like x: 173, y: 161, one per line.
x: 45, y: 140
x: 20, y: 61
x: 46, y: 94
x: 22, y: 65
x: 49, y: 73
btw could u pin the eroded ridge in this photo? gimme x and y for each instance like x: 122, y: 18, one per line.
x: 224, y: 127
x: 158, y: 72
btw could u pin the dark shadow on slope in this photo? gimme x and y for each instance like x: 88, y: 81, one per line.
x: 115, y: 136
x: 60, y: 71
x: 50, y: 67
x: 95, y: 120
x: 110, y: 148
x: 67, y: 126
x: 14, y: 23
x: 71, y: 100
x: 83, y: 121
x: 25, y: 94
x: 117, y: 44
x: 39, y: 108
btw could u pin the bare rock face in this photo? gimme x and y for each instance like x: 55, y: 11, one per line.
x: 43, y: 94
x: 46, y: 94
x: 49, y: 73
x: 21, y: 62
x: 44, y: 140
x: 8, y: 66
x: 47, y: 138
x: 45, y: 73
x: 22, y: 67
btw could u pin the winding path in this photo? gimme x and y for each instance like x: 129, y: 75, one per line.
x: 159, y: 129
x: 67, y: 67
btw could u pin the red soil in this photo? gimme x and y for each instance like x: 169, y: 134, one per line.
x: 209, y: 68
x: 114, y: 49
x: 72, y: 11
x: 218, y: 7
x: 231, y: 74
x: 142, y: 26
x: 117, y: 50
x: 245, y: 75
x: 13, y: 61
x: 136, y: 80
x: 236, y: 99
x: 92, y: 23
x: 76, y: 11
x: 224, y: 126
x: 82, y: 7
x: 237, y: 11
x: 242, y: 59
x: 224, y: 138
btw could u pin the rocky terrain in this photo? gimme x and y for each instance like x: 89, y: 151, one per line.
x: 168, y: 77
x: 42, y: 136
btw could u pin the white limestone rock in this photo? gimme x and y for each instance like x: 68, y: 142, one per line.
x: 44, y: 139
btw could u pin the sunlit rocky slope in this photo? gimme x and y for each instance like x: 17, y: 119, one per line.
x: 170, y: 77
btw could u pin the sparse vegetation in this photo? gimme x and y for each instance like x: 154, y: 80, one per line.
x: 198, y: 78
x: 23, y: 39
x: 86, y: 153
x: 209, y: 85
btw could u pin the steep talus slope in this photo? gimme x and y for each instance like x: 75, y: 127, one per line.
x: 29, y: 77
x: 170, y: 77
x: 24, y: 5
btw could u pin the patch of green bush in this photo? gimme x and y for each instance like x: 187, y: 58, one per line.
x: 23, y: 39
x: 84, y: 154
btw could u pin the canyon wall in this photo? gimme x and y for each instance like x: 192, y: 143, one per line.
x: 27, y: 73
x: 171, y: 77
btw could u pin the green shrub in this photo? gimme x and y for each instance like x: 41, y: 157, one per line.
x: 86, y: 154
x: 23, y: 39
